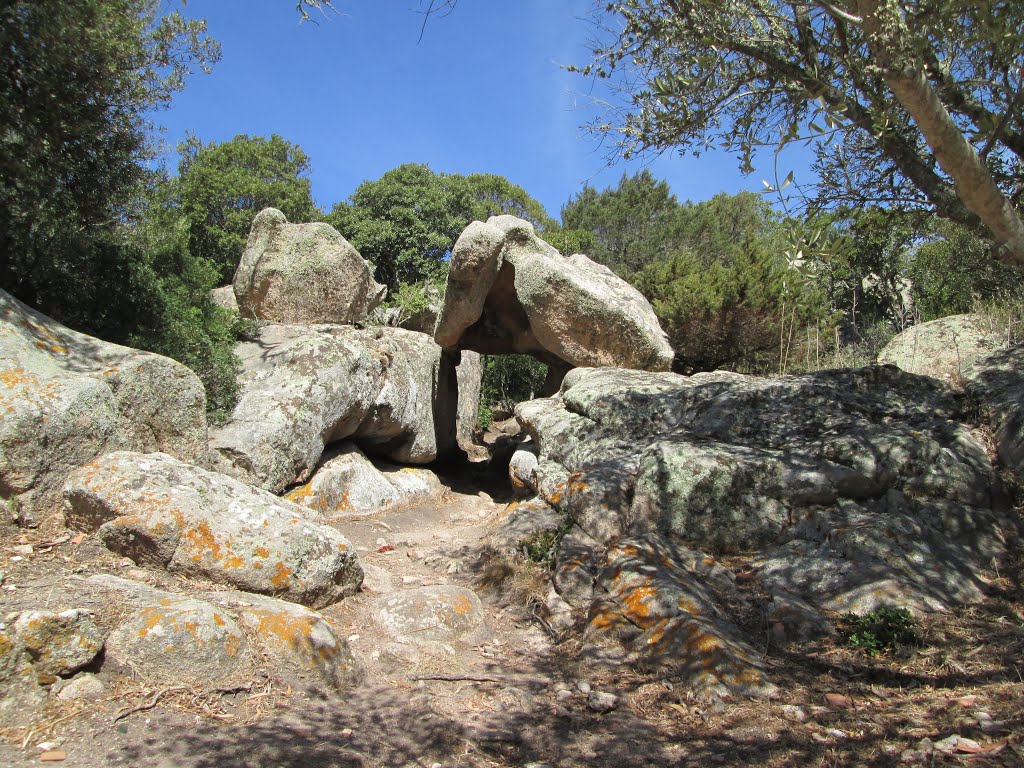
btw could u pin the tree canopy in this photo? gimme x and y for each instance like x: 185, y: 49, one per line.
x: 221, y: 188
x: 926, y: 93
x: 407, y: 221
x: 632, y: 225
x: 77, y: 81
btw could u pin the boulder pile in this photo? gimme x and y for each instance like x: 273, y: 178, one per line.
x: 843, y: 491
x: 509, y: 292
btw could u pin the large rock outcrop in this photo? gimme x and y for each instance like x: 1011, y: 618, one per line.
x: 943, y: 348
x: 304, y: 387
x: 509, y: 292
x: 303, y: 273
x: 996, y: 380
x: 160, y: 511
x: 844, y: 490
x: 66, y: 398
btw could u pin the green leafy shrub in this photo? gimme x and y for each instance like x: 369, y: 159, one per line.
x: 510, y: 379
x: 542, y: 546
x: 881, y: 630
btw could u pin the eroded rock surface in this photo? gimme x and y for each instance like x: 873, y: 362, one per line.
x: 431, y: 614
x: 846, y: 490
x: 943, y: 348
x: 509, y: 292
x: 303, y: 387
x: 996, y: 380
x: 163, y: 512
x: 66, y: 398
x: 303, y: 273
x: 220, y: 639
x: 348, y: 484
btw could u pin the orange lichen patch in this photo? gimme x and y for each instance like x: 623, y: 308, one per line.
x: 294, y: 633
x: 342, y: 548
x: 657, y: 633
x: 462, y: 605
x: 700, y: 641
x: 301, y: 495
x: 261, y: 552
x: 576, y: 483
x: 686, y: 605
x: 13, y: 377
x: 56, y: 348
x: 202, y: 540
x: 282, y: 576
x: 218, y: 620
x: 151, y: 618
x: 637, y: 602
x: 231, y: 645
x: 234, y: 561
x: 604, y: 618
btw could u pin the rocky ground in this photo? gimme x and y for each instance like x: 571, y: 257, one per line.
x: 486, y: 685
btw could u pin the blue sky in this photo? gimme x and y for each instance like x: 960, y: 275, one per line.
x: 485, y: 91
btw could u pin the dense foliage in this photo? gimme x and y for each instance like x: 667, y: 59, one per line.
x: 406, y: 222
x: 76, y: 83
x: 221, y: 188
x: 923, y: 96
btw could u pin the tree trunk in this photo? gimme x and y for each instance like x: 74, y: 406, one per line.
x: 887, y: 34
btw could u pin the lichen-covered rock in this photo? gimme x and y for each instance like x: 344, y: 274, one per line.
x: 224, y: 298
x: 303, y: 273
x: 661, y: 601
x: 997, y: 381
x: 59, y: 643
x: 160, y: 511
x: 167, y: 639
x: 943, y: 348
x: 304, y: 387
x: 525, y: 521
x: 20, y: 693
x: 304, y: 648
x: 470, y: 374
x: 348, y: 484
x: 221, y: 639
x: 510, y: 292
x: 439, y: 613
x: 66, y: 398
x: 845, y: 489
x: 522, y: 470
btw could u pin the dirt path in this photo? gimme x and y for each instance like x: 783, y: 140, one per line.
x: 503, y: 695
x: 508, y: 696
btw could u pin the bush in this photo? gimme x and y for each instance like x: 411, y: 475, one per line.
x: 882, y: 630
x: 507, y: 380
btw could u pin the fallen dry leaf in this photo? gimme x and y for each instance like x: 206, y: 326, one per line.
x: 967, y: 701
x: 53, y: 756
x: 838, y: 700
x: 971, y: 747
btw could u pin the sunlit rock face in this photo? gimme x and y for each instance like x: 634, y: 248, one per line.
x: 834, y: 491
x: 304, y: 387
x: 509, y: 292
x: 303, y: 273
x: 66, y: 398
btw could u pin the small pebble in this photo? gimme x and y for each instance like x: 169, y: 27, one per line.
x: 22, y: 549
x: 564, y: 694
x: 598, y: 701
x: 583, y: 686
